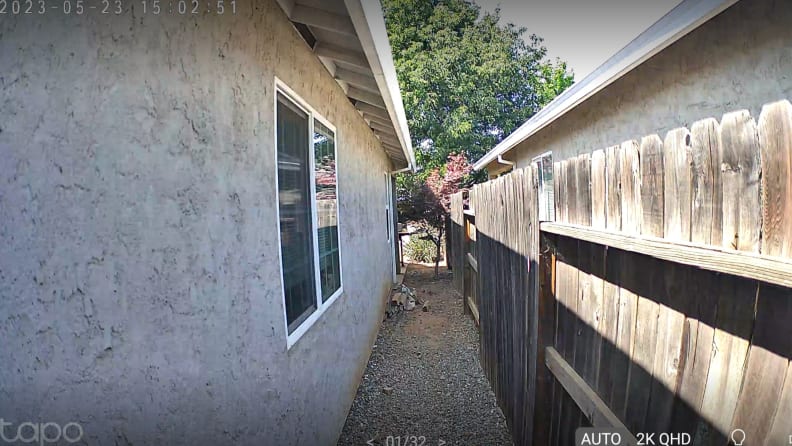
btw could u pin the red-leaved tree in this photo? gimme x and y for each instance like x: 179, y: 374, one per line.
x: 427, y: 202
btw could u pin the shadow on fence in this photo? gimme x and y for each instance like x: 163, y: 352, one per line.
x: 537, y: 407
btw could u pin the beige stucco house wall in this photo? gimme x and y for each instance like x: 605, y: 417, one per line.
x: 140, y: 284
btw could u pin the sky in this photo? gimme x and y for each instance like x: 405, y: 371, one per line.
x: 583, y: 33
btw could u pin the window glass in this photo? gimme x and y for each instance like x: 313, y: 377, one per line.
x: 294, y: 202
x: 547, y: 187
x: 544, y: 165
x: 326, y: 210
x: 388, y: 218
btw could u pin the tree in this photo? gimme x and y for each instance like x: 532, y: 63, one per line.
x: 467, y: 80
x: 428, y: 201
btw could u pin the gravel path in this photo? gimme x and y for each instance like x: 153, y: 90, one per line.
x: 424, y: 379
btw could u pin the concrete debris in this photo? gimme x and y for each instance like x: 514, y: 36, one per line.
x: 403, y: 298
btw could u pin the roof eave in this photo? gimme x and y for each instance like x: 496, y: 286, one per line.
x: 369, y: 24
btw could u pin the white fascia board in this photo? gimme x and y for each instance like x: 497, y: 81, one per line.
x: 684, y: 18
x: 287, y: 6
x: 367, y: 17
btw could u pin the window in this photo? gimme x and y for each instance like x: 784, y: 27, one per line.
x: 544, y: 165
x: 308, y: 213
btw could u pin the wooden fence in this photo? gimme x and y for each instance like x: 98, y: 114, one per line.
x: 659, y: 299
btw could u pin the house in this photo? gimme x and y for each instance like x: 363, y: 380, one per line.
x: 703, y: 59
x: 197, y: 218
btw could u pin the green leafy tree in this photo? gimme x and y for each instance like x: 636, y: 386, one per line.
x: 467, y: 79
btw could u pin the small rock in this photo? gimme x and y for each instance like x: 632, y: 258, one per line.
x: 425, y: 307
x: 387, y: 390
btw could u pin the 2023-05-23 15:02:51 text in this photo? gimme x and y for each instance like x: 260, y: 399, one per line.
x: 117, y: 7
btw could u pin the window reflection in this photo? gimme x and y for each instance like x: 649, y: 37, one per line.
x: 326, y: 209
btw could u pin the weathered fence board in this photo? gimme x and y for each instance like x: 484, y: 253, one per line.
x: 614, y: 368
x: 544, y: 323
x: 628, y: 301
x: 768, y: 358
x: 596, y: 308
x: 740, y: 175
x: 567, y: 281
x: 652, y: 188
x: 775, y: 136
x: 741, y: 228
x: 706, y: 229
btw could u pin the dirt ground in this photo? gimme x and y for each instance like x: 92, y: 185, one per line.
x: 423, y: 383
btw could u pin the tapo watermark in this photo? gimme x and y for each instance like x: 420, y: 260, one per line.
x: 41, y: 433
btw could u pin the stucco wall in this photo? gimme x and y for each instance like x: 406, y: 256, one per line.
x: 741, y: 59
x: 140, y: 292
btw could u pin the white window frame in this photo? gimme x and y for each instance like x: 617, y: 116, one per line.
x: 321, y: 307
x: 542, y: 202
x: 391, y: 226
x: 389, y: 217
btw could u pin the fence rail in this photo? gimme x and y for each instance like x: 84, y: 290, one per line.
x: 659, y: 298
x: 773, y: 270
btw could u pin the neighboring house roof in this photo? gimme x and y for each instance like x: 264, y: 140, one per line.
x: 687, y: 16
x: 350, y: 39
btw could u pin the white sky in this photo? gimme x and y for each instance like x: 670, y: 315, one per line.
x: 584, y: 33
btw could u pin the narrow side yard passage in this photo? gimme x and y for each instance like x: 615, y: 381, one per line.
x: 424, y: 379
